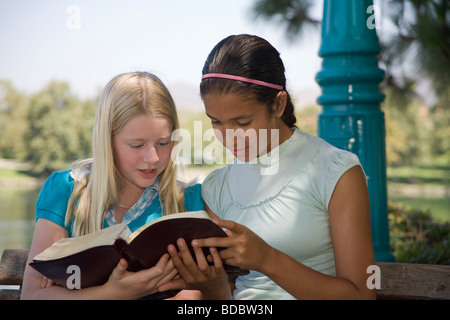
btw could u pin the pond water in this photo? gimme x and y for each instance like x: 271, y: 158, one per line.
x: 17, y: 209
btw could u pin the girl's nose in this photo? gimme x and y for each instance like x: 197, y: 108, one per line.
x: 151, y: 155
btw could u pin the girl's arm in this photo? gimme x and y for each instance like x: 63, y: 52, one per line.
x: 121, y: 284
x: 352, y: 243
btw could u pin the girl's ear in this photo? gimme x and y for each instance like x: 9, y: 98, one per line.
x: 280, y: 104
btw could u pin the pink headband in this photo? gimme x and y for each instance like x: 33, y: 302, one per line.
x: 228, y: 76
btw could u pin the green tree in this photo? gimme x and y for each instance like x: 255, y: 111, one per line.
x: 307, y: 118
x: 440, y: 133
x: 13, y: 123
x: 295, y: 15
x: 418, y: 49
x: 60, y: 128
x: 407, y: 132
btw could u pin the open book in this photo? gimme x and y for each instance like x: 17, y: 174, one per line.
x: 98, y: 253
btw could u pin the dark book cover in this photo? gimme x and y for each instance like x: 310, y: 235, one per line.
x: 143, y: 251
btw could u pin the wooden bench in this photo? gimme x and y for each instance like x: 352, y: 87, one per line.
x: 12, y: 266
x: 404, y: 281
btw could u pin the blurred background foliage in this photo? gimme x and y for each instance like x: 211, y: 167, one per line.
x: 416, y: 238
x: 50, y: 128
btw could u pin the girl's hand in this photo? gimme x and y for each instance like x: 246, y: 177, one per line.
x: 46, y: 283
x: 123, y: 284
x: 243, y: 247
x: 212, y: 281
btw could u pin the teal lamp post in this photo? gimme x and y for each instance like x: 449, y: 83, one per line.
x: 352, y: 118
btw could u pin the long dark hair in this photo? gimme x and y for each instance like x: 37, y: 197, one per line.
x: 250, y: 57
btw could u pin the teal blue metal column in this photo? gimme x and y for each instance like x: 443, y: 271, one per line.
x: 351, y: 117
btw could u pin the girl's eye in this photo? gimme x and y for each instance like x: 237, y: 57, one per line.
x: 164, y: 143
x: 243, y: 124
x: 136, y: 146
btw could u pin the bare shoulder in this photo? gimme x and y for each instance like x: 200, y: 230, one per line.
x: 350, y: 228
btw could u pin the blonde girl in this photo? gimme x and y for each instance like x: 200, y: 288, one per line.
x: 130, y: 179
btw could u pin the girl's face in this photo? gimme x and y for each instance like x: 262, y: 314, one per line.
x: 246, y: 126
x: 142, y: 150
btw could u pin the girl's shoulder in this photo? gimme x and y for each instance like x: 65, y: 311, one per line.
x: 218, y: 175
x: 54, y: 197
x: 192, y: 189
x: 213, y: 187
x: 332, y: 160
x: 215, y: 180
x: 58, y: 183
x: 193, y: 200
x: 328, y: 166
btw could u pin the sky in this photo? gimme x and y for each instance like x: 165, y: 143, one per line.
x: 86, y: 43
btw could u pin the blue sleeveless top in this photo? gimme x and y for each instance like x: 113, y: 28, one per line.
x: 55, y: 193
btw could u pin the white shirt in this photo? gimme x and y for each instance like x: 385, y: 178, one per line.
x: 288, y: 209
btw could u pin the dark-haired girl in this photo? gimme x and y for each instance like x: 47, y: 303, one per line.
x: 297, y: 213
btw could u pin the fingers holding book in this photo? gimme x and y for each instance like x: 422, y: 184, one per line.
x: 134, y: 285
x: 242, y: 247
x: 198, y: 274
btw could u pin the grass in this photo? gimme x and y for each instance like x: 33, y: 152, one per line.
x: 438, y: 175
x: 430, y: 186
x: 15, y: 174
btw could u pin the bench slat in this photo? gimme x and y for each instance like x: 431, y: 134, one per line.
x: 414, y: 281
x: 12, y: 266
x: 7, y: 294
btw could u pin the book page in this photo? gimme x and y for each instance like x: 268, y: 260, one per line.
x: 68, y: 246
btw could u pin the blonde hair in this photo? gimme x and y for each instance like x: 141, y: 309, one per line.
x: 124, y: 97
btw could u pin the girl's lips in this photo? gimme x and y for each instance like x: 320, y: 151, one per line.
x: 147, y: 173
x: 238, y: 153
